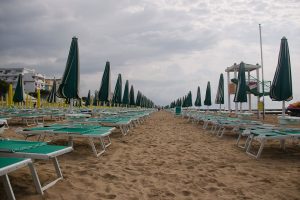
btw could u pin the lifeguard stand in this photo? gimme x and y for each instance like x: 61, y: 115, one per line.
x: 254, y: 85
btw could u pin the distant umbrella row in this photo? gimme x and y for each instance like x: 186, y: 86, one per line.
x: 69, y: 87
x: 186, y: 101
x: 281, y: 87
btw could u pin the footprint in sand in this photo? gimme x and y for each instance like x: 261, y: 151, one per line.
x: 110, y: 176
x: 186, y: 193
x: 106, y: 196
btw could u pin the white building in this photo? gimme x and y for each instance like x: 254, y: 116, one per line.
x: 32, y: 80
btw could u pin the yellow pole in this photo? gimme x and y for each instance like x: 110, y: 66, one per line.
x: 38, y: 101
x: 6, y: 98
x: 10, y: 95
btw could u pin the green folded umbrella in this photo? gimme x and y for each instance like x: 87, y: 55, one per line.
x: 126, y: 94
x: 104, y: 92
x: 220, y: 91
x: 131, y: 96
x: 69, y: 86
x: 281, y: 88
x: 95, y: 100
x: 117, y: 97
x: 52, y: 96
x: 198, y: 98
x: 88, y: 99
x: 19, y: 92
x: 207, y: 100
x: 138, y: 98
x: 240, y: 92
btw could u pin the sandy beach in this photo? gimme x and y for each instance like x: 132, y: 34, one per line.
x: 167, y: 158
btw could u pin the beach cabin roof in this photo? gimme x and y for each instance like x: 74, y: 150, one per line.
x: 248, y: 67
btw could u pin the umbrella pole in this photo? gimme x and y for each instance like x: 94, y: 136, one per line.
x: 71, y: 105
x: 283, y: 108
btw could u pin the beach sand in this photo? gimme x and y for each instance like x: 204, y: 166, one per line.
x: 167, y: 158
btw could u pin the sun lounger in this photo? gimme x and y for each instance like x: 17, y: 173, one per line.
x: 264, y: 135
x: 8, y: 165
x: 74, y: 131
x: 34, y: 150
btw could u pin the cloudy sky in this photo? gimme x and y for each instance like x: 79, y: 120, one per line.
x: 164, y: 47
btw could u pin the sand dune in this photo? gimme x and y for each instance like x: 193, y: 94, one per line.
x: 168, y: 158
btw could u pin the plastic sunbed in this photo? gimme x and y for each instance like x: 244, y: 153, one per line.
x: 34, y: 150
x: 90, y: 132
x: 8, y: 165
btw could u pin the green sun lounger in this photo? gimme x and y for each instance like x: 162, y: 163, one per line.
x: 89, y: 132
x: 8, y: 165
x: 264, y: 135
x: 34, y: 150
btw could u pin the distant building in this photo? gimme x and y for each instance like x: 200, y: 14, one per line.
x: 49, y: 83
x: 32, y: 80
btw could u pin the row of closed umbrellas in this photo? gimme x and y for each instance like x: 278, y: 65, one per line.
x: 281, y: 87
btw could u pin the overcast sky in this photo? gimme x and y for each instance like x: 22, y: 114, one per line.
x: 164, y: 48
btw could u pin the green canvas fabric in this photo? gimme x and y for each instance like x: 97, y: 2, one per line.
x: 18, y: 145
x: 19, y: 91
x: 5, y: 162
x: 220, y: 91
x: 88, y: 99
x: 131, y: 96
x: 240, y: 92
x: 281, y: 88
x: 69, y: 87
x: 104, y: 91
x: 126, y: 94
x: 207, y: 100
x: 52, y: 96
x: 45, y: 149
x: 117, y: 97
x: 198, y: 98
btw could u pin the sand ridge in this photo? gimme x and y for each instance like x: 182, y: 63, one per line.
x: 169, y: 158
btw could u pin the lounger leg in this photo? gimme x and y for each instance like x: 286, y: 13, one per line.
x: 57, y: 168
x: 260, y: 149
x: 222, y: 133
x: 70, y: 141
x: 282, y: 144
x: 109, y: 142
x: 7, y: 187
x: 36, y: 179
x: 94, y: 148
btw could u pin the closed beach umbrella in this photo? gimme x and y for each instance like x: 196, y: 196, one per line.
x: 69, y: 86
x: 131, y: 96
x: 281, y: 88
x: 138, y: 99
x: 207, y: 100
x: 117, y: 97
x: 220, y: 92
x: 19, y: 92
x: 198, y: 98
x: 126, y: 94
x: 88, y: 99
x: 52, y: 96
x: 240, y: 92
x: 95, y: 100
x: 104, y: 92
